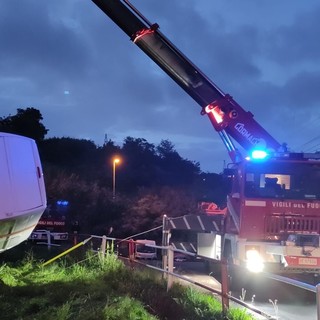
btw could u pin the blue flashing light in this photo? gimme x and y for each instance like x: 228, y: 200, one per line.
x: 259, y: 154
x: 63, y: 203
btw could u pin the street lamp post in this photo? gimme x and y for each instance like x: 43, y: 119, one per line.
x: 115, y: 161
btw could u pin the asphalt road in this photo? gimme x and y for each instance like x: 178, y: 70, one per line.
x: 282, y: 301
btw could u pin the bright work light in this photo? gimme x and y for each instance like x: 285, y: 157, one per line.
x: 254, y: 261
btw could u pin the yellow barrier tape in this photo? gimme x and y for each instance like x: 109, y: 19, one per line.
x: 66, y: 252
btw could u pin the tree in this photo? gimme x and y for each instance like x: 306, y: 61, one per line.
x: 145, y: 213
x: 139, y: 164
x: 175, y: 170
x: 26, y: 123
x: 89, y: 204
x: 211, y: 187
x: 166, y: 148
x: 77, y: 155
x: 147, y: 210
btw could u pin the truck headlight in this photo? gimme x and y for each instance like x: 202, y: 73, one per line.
x: 254, y: 261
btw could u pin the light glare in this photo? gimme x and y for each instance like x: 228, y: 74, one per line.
x: 254, y: 261
x: 258, y: 154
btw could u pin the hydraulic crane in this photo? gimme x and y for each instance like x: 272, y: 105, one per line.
x: 273, y: 207
x: 227, y: 117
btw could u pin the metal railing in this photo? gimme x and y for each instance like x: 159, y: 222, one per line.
x: 168, y: 271
x: 168, y: 267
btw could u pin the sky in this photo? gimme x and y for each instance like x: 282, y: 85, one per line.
x: 67, y: 59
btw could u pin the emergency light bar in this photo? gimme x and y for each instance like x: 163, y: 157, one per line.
x: 259, y: 154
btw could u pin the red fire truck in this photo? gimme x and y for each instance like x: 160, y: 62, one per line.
x: 273, y: 206
x: 52, y: 226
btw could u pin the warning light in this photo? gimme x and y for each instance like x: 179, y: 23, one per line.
x: 259, y: 154
x: 62, y: 203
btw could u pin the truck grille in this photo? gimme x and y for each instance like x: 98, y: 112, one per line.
x: 288, y: 224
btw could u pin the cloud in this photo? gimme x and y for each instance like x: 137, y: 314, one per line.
x: 265, y: 54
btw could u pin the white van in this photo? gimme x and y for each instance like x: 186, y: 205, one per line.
x: 144, y: 251
x: 22, y: 189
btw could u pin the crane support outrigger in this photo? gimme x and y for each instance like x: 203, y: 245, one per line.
x: 272, y: 219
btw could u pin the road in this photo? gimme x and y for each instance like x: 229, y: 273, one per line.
x: 282, y: 301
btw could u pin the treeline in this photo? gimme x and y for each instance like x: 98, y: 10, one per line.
x: 151, y: 180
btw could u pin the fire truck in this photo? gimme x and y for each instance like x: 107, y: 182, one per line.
x: 52, y: 226
x: 272, y: 216
x: 48, y: 230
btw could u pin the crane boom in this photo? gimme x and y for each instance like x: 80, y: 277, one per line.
x: 228, y: 118
x: 272, y: 211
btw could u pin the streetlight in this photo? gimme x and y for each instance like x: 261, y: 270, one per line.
x: 115, y: 161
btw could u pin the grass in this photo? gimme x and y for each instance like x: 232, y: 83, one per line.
x: 98, y: 289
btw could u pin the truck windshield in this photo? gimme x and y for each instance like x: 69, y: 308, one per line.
x: 296, y: 180
x: 145, y: 249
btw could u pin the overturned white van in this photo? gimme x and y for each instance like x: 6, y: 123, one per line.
x: 22, y: 189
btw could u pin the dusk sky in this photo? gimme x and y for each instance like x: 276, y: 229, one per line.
x: 70, y: 61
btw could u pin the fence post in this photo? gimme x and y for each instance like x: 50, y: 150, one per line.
x: 170, y: 268
x: 224, y: 285
x: 103, y: 246
x: 165, y: 243
x: 318, y: 300
x: 48, y: 238
x: 75, y: 237
x: 131, y: 250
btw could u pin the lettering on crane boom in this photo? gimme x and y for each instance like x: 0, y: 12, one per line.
x: 249, y: 136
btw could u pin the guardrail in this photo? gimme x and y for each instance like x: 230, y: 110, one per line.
x: 210, y: 289
x: 168, y: 267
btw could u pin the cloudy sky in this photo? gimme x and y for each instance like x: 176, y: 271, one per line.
x: 70, y: 61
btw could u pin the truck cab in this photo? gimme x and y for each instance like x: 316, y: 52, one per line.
x: 144, y: 249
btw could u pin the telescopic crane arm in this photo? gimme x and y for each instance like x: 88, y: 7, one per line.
x: 228, y: 118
